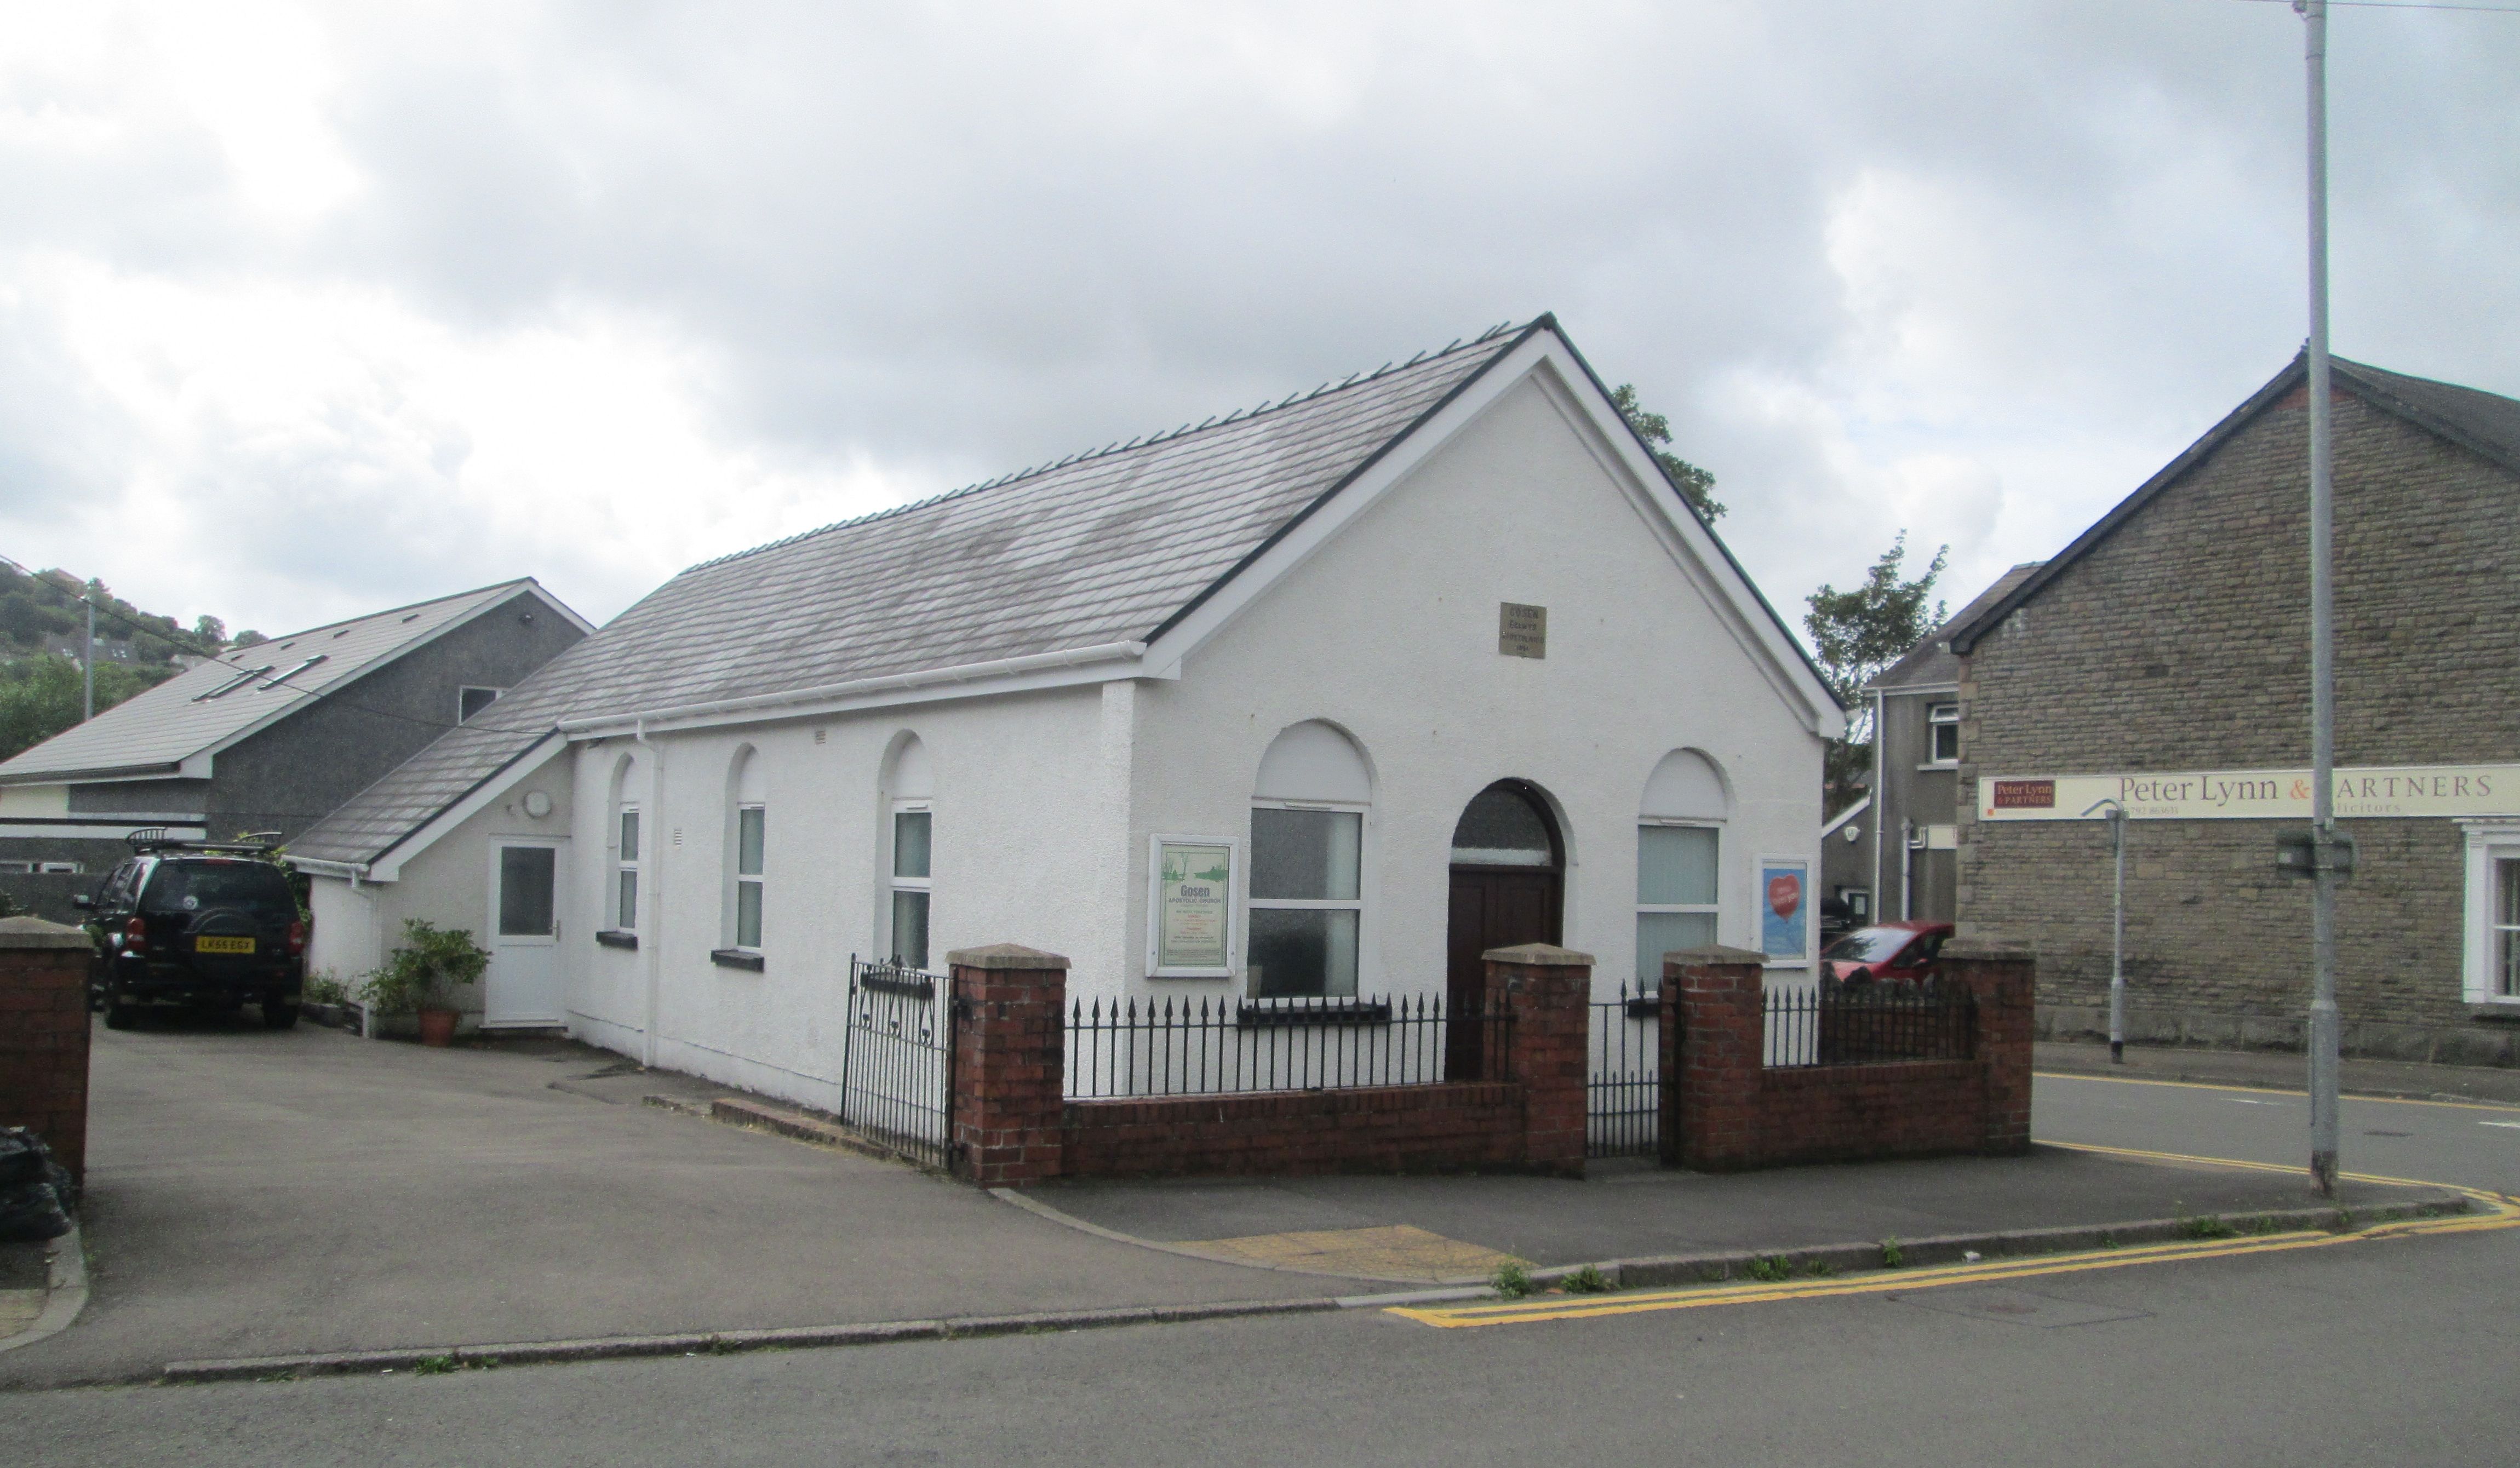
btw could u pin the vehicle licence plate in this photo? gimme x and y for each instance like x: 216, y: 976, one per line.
x: 223, y: 944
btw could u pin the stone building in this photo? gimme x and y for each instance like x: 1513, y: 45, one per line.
x: 2162, y: 661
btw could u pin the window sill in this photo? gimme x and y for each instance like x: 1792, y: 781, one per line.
x: 616, y: 938
x: 1296, y: 1010
x: 736, y: 957
x: 1930, y: 766
x: 2495, y: 1010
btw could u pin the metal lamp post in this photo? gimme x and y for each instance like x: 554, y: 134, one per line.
x: 2325, y: 1029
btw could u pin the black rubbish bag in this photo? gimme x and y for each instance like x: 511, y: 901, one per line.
x: 24, y: 1157
x: 36, y: 1195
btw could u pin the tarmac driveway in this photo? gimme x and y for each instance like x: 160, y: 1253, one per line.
x: 254, y: 1194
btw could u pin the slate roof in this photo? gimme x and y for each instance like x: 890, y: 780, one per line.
x: 212, y: 705
x: 2484, y: 424
x: 1931, y: 663
x: 1106, y: 546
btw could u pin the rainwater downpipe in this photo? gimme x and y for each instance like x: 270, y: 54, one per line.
x: 651, y: 941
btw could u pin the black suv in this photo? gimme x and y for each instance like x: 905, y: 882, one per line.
x: 201, y: 923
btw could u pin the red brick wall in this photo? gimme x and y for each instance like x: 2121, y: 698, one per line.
x: 43, y: 1043
x: 1010, y: 1063
x: 1452, y: 1127
x: 1011, y: 1124
x: 1725, y: 1109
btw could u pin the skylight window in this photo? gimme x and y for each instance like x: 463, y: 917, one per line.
x: 243, y: 676
x: 294, y: 672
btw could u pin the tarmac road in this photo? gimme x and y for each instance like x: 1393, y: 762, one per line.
x: 2361, y: 1352
x: 2435, y: 1141
x: 2355, y: 1354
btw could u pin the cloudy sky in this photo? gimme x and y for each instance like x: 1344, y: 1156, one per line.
x: 307, y: 309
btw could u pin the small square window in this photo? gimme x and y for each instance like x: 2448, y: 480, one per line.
x: 1943, y: 725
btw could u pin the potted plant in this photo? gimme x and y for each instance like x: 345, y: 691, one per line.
x: 416, y: 977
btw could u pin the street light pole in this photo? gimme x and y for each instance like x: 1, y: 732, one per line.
x: 2323, y: 1023
x: 87, y: 665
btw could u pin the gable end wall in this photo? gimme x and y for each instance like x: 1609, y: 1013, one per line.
x: 2181, y: 642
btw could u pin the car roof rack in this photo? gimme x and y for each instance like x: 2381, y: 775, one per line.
x: 153, y: 838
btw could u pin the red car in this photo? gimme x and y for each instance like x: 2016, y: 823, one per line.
x: 1905, y: 949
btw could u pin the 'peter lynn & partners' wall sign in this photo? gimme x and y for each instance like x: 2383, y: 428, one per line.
x: 2403, y: 790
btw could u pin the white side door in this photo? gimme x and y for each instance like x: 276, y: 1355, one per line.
x: 525, y: 980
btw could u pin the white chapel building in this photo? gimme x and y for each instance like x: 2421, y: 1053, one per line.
x: 1318, y: 700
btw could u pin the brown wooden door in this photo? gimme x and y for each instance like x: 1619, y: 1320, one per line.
x: 1491, y: 908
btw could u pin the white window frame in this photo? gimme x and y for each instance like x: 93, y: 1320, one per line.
x: 625, y: 862
x: 1714, y: 909
x: 894, y: 883
x: 1362, y: 907
x: 1939, y: 716
x: 739, y: 879
x: 2489, y: 845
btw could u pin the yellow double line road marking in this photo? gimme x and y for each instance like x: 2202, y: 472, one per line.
x: 2495, y: 1211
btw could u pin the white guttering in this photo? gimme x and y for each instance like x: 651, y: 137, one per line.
x: 763, y: 703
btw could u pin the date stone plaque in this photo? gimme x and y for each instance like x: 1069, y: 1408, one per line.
x: 1522, y: 630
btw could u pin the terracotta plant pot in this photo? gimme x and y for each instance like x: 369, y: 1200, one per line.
x: 437, y: 1027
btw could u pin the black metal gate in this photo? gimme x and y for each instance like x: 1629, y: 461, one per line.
x: 1623, y: 1080
x: 897, y: 1060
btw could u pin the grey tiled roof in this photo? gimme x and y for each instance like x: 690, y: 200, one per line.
x: 159, y: 729
x: 1106, y: 548
x: 1931, y: 663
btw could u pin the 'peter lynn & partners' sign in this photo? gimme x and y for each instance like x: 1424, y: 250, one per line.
x: 2417, y: 790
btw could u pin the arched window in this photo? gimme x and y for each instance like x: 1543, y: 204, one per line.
x: 1680, y: 844
x: 622, y: 902
x: 909, y: 839
x: 1307, y: 904
x: 748, y: 817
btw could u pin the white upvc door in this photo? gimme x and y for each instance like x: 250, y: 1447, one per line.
x: 525, y: 980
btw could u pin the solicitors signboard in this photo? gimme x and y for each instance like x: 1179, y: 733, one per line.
x: 2380, y: 790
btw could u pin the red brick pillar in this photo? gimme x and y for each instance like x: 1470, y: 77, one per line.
x: 1010, y: 1063
x: 43, y: 1034
x: 2004, y: 981
x: 1546, y: 991
x: 1715, y: 1046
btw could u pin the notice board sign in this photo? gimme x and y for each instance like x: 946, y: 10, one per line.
x: 1522, y: 630
x: 1189, y: 910
x: 1784, y: 909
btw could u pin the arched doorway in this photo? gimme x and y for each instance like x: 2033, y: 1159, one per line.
x: 1509, y: 887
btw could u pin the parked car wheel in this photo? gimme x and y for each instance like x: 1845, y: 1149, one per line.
x: 279, y: 1016
x: 118, y: 1015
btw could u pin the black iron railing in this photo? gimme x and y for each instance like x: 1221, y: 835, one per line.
x: 1867, y: 1024
x: 897, y: 1060
x: 1181, y: 1047
x: 1623, y: 1079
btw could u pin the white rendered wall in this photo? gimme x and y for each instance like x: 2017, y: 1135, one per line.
x: 1022, y: 820
x: 447, y: 884
x: 1389, y: 631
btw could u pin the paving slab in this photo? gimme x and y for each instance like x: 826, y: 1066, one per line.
x: 1636, y: 1209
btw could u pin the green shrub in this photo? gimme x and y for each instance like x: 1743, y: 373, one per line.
x: 1587, y: 1280
x: 324, y: 989
x: 417, y: 974
x: 1512, y: 1281
x: 1893, y: 1257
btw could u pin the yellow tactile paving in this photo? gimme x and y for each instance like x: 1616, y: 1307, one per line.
x: 18, y: 1310
x: 1397, y: 1252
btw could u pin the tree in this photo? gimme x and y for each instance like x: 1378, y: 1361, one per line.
x: 1855, y: 634
x: 211, y: 630
x: 1696, y: 485
x: 250, y: 638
